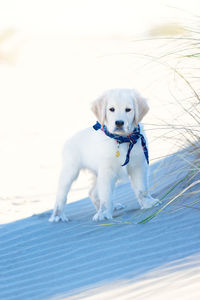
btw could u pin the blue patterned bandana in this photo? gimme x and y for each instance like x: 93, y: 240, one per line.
x: 131, y: 139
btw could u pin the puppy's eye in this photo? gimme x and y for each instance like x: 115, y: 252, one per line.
x: 112, y: 109
x: 127, y: 109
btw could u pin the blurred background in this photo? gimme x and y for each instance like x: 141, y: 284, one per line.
x: 56, y: 57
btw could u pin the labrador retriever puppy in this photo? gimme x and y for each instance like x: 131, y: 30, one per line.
x: 114, y: 147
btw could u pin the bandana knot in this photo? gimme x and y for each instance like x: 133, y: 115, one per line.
x: 131, y: 139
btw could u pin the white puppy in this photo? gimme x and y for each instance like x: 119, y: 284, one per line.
x: 120, y: 110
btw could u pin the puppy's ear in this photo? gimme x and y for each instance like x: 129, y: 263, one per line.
x: 141, y: 107
x: 99, y: 109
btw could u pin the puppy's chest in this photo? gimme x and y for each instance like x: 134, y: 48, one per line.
x: 118, y: 152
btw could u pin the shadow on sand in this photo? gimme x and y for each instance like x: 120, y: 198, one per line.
x: 40, y: 260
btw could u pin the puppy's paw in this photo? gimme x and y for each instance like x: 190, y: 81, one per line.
x: 98, y: 216
x: 149, y: 202
x: 119, y: 206
x: 56, y: 218
x: 102, y: 215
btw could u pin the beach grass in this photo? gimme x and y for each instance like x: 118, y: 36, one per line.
x: 183, y: 60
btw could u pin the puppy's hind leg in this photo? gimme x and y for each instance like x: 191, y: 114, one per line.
x: 68, y: 174
x: 93, y: 194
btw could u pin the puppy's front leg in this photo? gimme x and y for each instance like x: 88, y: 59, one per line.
x: 139, y: 181
x: 105, y: 184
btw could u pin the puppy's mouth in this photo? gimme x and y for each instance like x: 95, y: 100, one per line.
x: 120, y: 131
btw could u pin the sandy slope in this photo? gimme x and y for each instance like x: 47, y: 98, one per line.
x: 39, y: 260
x: 156, y: 260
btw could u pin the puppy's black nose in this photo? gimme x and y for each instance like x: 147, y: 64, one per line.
x: 119, y: 123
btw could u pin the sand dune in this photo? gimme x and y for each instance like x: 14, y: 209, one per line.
x: 82, y: 260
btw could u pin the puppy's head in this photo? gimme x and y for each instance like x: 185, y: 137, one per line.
x: 120, y: 110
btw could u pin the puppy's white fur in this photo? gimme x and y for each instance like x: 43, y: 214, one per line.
x: 93, y: 150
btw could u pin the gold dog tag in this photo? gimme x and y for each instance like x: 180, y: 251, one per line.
x: 117, y: 154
